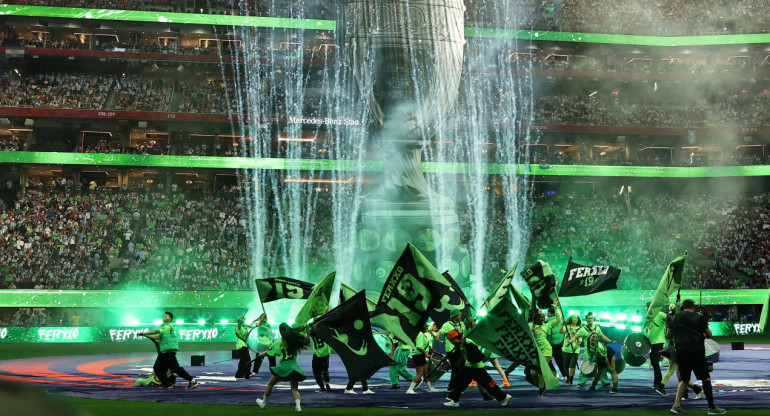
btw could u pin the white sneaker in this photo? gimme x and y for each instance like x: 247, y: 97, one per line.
x: 506, y: 400
x: 432, y: 389
x: 350, y: 391
x: 699, y: 395
x: 261, y: 403
x: 410, y: 391
x: 452, y: 403
x: 368, y: 391
x: 297, y: 409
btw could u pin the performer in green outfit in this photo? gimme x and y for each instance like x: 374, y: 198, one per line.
x: 168, y: 346
x: 583, y: 335
x: 400, y: 354
x: 571, y: 347
x: 242, y: 346
x: 540, y: 330
x: 456, y: 360
x: 423, y: 344
x: 604, y: 358
x: 290, y: 344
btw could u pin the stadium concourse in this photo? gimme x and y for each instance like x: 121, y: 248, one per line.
x: 739, y: 382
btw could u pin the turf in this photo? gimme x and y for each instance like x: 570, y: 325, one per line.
x: 98, y: 407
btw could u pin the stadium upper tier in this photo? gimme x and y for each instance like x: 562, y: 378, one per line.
x: 669, y: 18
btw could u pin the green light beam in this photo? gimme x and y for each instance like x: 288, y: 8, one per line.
x: 213, y: 162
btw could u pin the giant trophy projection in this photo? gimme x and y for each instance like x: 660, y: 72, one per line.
x: 406, y: 58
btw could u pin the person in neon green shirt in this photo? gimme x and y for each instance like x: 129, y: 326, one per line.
x: 571, y: 347
x: 540, y: 331
x: 288, y: 347
x: 423, y: 344
x: 241, y: 344
x: 604, y: 358
x: 168, y: 346
x: 583, y: 334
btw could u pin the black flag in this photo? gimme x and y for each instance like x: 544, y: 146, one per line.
x: 347, y: 330
x: 453, y: 298
x: 414, y: 290
x: 582, y: 280
x: 274, y: 288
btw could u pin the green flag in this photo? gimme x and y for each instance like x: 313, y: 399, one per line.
x: 764, y: 323
x: 505, y: 332
x: 669, y: 283
x: 414, y: 290
x: 501, y: 290
x: 347, y: 292
x: 318, y: 301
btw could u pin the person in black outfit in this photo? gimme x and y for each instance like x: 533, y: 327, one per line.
x: 473, y: 369
x: 689, y: 330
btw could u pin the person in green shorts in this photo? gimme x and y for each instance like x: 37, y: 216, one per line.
x: 540, y: 330
x: 400, y: 354
x: 288, y: 347
x: 423, y: 345
x: 583, y: 335
x: 571, y: 349
x: 168, y: 346
x: 456, y: 360
x: 604, y: 358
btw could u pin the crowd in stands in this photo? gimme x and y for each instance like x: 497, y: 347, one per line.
x: 54, y: 90
x: 732, y: 110
x: 12, y: 143
x: 137, y: 94
x: 641, y: 235
x: 56, y: 237
x: 667, y: 18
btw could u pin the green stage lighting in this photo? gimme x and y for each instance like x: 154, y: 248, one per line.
x: 604, y: 316
x: 573, y: 312
x: 157, y: 322
x: 636, y: 329
x: 481, y: 312
x: 636, y: 319
x: 621, y: 317
x: 620, y: 326
x: 201, y: 321
x: 223, y: 322
x: 180, y: 321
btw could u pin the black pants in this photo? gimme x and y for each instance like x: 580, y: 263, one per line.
x: 260, y: 358
x: 655, y: 362
x: 557, y: 355
x: 244, y: 367
x: 364, y: 385
x: 321, y: 370
x: 457, y: 361
x: 167, y: 361
x: 467, y: 374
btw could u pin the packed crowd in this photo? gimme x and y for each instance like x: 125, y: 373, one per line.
x: 728, y: 232
x: 54, y: 90
x: 140, y: 94
x: 732, y: 110
x: 61, y: 238
x: 668, y: 18
x: 11, y: 143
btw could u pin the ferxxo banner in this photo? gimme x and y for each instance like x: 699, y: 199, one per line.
x: 582, y: 280
x: 274, y: 288
x: 414, y: 290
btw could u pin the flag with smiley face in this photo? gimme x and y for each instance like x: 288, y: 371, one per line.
x: 347, y: 330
